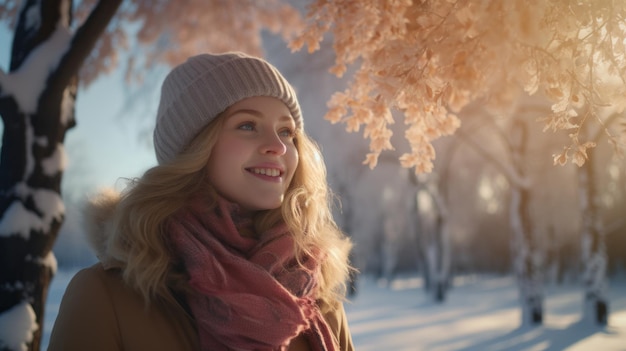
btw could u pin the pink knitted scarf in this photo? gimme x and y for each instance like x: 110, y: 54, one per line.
x: 249, y: 294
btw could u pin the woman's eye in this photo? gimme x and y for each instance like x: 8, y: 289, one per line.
x: 246, y: 126
x: 287, y: 133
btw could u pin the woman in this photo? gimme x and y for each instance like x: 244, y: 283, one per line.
x: 228, y: 243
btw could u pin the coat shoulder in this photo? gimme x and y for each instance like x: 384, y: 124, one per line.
x: 100, y: 312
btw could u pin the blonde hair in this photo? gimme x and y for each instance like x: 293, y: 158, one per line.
x: 136, y: 242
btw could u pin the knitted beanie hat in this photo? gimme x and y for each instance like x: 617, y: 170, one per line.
x: 198, y: 90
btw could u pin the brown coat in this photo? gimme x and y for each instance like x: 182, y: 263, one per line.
x: 99, y: 312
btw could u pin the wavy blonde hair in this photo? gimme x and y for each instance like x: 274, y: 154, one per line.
x: 135, y: 240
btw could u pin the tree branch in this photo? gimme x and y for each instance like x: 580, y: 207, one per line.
x: 83, y: 43
x: 27, y: 38
x: 605, y: 125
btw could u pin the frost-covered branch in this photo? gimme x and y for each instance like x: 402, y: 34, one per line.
x: 430, y: 59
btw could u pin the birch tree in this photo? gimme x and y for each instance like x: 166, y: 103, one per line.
x: 594, y: 257
x: 528, y: 256
x: 435, y: 238
x: 593, y: 232
x: 513, y: 162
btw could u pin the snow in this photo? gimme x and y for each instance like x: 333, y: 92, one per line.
x: 55, y: 163
x: 481, y: 313
x: 67, y: 106
x: 17, y: 326
x: 49, y: 203
x: 27, y: 82
x: 49, y: 261
x: 17, y: 219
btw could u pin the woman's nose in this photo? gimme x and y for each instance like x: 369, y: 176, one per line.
x: 273, y: 144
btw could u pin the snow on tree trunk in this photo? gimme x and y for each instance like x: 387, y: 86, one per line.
x: 443, y: 240
x: 527, y: 259
x: 420, y: 232
x: 37, y: 107
x: 594, y: 256
x: 438, y: 282
x: 527, y: 256
x: 435, y: 239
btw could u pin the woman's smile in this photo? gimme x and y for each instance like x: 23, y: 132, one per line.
x: 267, y: 173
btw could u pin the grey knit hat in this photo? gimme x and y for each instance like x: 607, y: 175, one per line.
x: 198, y: 90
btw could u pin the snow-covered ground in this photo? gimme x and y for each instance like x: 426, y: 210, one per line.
x: 480, y: 314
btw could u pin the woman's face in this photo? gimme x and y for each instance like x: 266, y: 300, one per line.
x: 254, y: 157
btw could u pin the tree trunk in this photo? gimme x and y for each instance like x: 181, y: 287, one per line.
x: 420, y: 235
x: 441, y: 256
x: 31, y: 160
x: 594, y: 256
x: 434, y: 238
x: 524, y: 245
x: 527, y: 259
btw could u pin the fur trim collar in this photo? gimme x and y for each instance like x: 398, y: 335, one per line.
x: 98, y: 225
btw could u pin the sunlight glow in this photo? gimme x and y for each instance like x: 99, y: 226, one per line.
x: 487, y: 193
x: 425, y: 202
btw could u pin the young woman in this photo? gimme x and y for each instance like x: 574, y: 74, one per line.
x: 228, y: 243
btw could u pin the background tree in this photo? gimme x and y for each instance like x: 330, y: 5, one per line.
x: 593, y: 231
x: 433, y: 223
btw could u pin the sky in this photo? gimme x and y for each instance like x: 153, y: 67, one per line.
x: 481, y: 314
x: 106, y: 138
